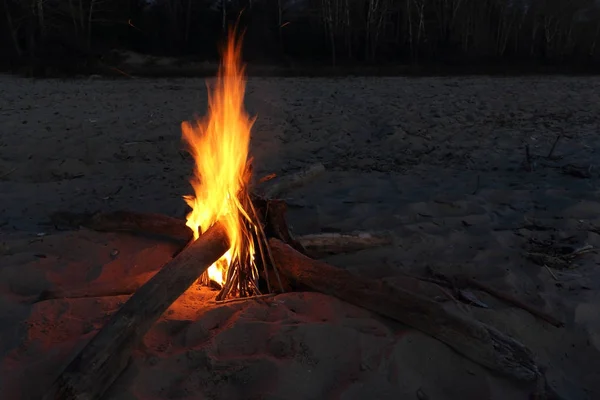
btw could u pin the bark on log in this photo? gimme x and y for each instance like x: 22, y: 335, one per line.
x: 96, y: 367
x: 469, y: 337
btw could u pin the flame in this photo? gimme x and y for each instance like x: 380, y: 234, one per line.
x: 219, y: 145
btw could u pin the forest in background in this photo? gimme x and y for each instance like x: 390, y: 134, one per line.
x: 81, y: 35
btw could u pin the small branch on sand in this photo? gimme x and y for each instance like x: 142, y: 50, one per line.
x: 469, y: 337
x: 528, y: 162
x: 323, y: 244
x: 551, y: 152
x: 288, y: 182
x: 121, y: 287
x: 96, y: 367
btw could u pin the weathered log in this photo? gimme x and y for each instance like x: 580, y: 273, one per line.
x: 95, y: 368
x: 126, y: 221
x: 322, y: 244
x: 469, y: 337
x: 514, y: 301
x: 288, y: 182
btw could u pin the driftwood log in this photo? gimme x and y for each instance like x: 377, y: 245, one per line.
x: 319, y: 245
x: 97, y: 366
x: 469, y: 337
x: 289, y: 182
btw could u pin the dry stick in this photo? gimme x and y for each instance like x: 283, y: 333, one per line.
x: 528, y: 164
x: 469, y: 337
x: 7, y: 173
x: 97, y: 366
x: 288, y: 182
x: 127, y: 221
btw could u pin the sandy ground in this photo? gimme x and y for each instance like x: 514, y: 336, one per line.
x: 440, y: 161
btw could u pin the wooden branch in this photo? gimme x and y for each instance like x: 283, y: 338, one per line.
x: 127, y: 221
x: 471, y: 338
x: 93, y: 370
x: 288, y: 182
x: 323, y: 244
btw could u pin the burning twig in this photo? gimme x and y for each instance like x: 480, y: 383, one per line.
x: 95, y: 368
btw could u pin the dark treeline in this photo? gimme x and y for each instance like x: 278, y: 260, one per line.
x: 80, y: 33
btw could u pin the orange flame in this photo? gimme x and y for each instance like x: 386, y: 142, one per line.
x: 219, y: 145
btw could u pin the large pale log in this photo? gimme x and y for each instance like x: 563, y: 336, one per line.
x: 95, y: 368
x: 475, y: 340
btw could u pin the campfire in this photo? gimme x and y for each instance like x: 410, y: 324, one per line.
x: 219, y: 145
x: 236, y: 239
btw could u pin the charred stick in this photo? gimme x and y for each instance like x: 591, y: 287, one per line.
x: 122, y: 287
